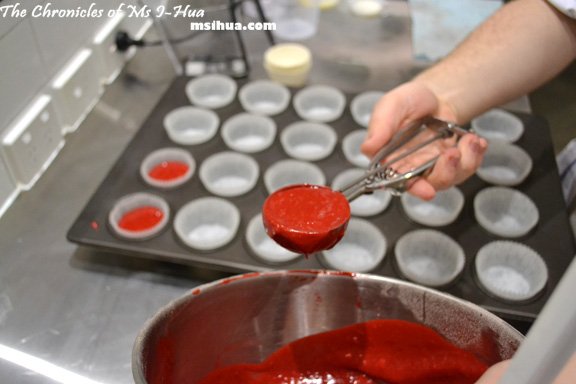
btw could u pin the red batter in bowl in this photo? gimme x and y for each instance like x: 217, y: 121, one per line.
x: 306, y: 218
x: 394, y: 351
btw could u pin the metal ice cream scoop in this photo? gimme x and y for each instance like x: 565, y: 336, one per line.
x: 381, y: 174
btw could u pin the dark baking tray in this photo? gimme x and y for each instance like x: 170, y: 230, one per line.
x: 551, y: 238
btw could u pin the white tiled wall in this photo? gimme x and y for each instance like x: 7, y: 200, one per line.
x: 22, y: 74
x: 33, y: 50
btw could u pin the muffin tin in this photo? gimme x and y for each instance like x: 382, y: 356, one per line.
x: 550, y: 238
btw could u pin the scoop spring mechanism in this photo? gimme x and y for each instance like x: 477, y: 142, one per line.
x: 380, y: 173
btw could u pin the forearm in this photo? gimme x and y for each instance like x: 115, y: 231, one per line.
x: 518, y: 49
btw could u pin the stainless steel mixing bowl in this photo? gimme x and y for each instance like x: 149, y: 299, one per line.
x: 247, y: 317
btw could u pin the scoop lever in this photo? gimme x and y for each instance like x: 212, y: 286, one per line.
x: 380, y: 173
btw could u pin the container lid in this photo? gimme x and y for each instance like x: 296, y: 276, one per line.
x: 287, y: 56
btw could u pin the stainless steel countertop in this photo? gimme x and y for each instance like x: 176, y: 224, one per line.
x: 80, y: 309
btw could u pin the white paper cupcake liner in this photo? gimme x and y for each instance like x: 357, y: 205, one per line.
x: 510, y: 270
x: 229, y: 174
x: 207, y: 223
x: 505, y: 212
x: 290, y: 172
x: 362, y: 248
x: 365, y: 205
x: 266, y: 98
x: 158, y: 157
x: 442, y: 210
x: 248, y: 133
x: 429, y: 257
x: 498, y: 124
x: 263, y: 246
x: 211, y: 91
x: 191, y: 125
x: 131, y: 202
x: 304, y: 140
x: 505, y: 164
x: 351, y: 148
x: 319, y: 103
x: 362, y: 105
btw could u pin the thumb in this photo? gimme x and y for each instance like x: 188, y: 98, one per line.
x: 394, y: 111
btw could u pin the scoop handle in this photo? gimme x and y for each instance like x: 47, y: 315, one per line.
x: 552, y: 339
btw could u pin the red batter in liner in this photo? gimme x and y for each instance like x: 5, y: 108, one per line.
x: 306, y: 218
x: 395, y: 351
x: 141, y: 219
x: 168, y: 170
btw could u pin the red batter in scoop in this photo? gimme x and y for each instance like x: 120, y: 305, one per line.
x: 306, y: 218
x: 141, y: 219
x: 168, y: 170
x: 395, y: 351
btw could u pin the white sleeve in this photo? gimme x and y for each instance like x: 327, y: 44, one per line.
x: 565, y: 6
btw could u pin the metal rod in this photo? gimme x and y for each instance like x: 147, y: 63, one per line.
x: 411, y: 151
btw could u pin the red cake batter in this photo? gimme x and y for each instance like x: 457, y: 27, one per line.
x: 141, y: 219
x: 306, y: 218
x: 168, y: 170
x: 395, y: 351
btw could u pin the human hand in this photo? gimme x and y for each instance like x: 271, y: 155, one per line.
x: 410, y: 102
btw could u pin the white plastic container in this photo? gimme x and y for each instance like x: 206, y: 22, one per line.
x: 288, y: 64
x: 295, y: 19
x: 366, y: 8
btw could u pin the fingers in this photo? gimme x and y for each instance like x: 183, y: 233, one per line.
x: 384, y: 123
x: 421, y: 188
x: 442, y: 176
x: 473, y: 149
x: 494, y: 373
x: 453, y: 167
x: 410, y: 102
x: 394, y: 111
x: 445, y: 170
